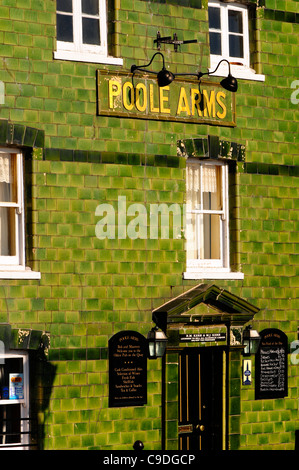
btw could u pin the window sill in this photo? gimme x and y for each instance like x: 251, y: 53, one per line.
x: 240, y: 72
x: 213, y: 275
x: 87, y: 57
x: 20, y: 274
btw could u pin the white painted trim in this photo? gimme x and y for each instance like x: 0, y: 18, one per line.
x: 213, y: 275
x: 22, y: 274
x: 80, y: 52
x: 87, y: 57
x: 240, y: 72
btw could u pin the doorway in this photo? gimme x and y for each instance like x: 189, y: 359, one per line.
x: 201, y: 398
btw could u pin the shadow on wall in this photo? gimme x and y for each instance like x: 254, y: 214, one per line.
x: 42, y: 375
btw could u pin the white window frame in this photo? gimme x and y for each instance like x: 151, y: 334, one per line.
x: 238, y: 71
x: 213, y: 268
x: 24, y: 403
x: 13, y: 267
x: 76, y: 50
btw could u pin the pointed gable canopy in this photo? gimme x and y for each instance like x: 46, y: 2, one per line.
x: 225, y: 308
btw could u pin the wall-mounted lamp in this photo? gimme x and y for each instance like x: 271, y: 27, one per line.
x: 251, y: 341
x: 157, y: 341
x: 165, y: 77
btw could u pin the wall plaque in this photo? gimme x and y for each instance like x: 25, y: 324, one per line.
x: 272, y: 365
x: 127, y: 369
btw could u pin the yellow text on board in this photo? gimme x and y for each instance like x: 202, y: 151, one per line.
x: 157, y: 100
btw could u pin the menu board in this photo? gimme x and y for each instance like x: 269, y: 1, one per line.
x: 127, y: 369
x: 272, y: 365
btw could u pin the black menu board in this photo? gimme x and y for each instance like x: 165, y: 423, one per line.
x: 127, y: 369
x: 272, y: 365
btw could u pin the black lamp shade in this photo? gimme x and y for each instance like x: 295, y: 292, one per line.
x: 165, y: 77
x: 229, y: 83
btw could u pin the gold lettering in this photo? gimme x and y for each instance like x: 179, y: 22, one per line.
x: 163, y: 99
x: 139, y: 87
x: 219, y: 95
x: 195, y: 101
x: 152, y: 107
x: 183, y: 105
x: 209, y: 104
x: 128, y: 93
x: 114, y: 90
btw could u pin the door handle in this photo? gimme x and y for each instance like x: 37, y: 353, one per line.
x: 200, y: 427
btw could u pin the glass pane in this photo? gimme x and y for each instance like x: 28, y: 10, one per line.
x: 64, y: 5
x: 236, y: 46
x: 193, y: 187
x: 90, y: 7
x: 212, y: 188
x: 8, y: 178
x: 215, y: 43
x: 191, y: 237
x: 210, y: 239
x: 235, y: 23
x: 7, y: 231
x: 214, y: 18
x: 64, y: 28
x: 91, y: 31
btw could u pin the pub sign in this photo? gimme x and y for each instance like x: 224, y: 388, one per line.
x: 120, y: 95
x: 127, y: 369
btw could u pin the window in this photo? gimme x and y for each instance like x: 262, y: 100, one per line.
x: 81, y: 27
x: 12, y: 219
x: 11, y: 210
x: 207, y: 216
x: 229, y: 39
x: 14, y: 401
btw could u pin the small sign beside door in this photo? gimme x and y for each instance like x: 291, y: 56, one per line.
x: 272, y: 365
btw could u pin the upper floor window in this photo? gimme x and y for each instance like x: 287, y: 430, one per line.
x: 229, y: 39
x: 12, y: 252
x: 81, y: 27
x: 207, y: 216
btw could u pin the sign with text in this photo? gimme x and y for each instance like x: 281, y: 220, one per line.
x: 272, y: 365
x: 127, y: 369
x: 183, y: 100
x: 202, y: 337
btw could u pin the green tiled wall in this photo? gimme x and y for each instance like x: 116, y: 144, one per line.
x: 90, y: 288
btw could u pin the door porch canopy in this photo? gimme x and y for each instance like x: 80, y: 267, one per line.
x: 226, y: 308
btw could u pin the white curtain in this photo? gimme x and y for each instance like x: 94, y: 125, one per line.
x: 5, y: 196
x: 5, y: 168
x: 209, y: 179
